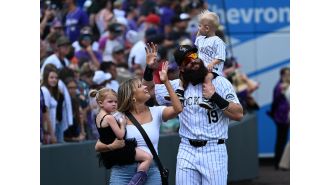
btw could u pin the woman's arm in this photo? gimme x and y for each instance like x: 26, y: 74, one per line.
x: 95, y: 61
x: 116, y: 144
x: 151, y: 58
x: 48, y: 14
x: 48, y: 129
x: 176, y: 108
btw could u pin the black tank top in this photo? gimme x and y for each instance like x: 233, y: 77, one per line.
x: 107, y: 135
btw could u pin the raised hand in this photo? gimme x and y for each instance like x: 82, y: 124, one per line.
x: 151, y: 53
x: 163, y: 73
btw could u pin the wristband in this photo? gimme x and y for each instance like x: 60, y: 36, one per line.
x: 222, y: 103
x: 148, y: 74
x: 215, y: 75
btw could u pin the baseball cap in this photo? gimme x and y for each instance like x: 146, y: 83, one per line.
x: 118, y: 48
x: 181, y: 17
x: 132, y: 36
x: 184, y: 16
x: 181, y: 52
x: 152, y: 18
x: 62, y: 40
x: 150, y: 32
x: 100, y: 76
x: 115, y: 28
x: 195, y: 5
x: 86, y: 37
x: 152, y: 35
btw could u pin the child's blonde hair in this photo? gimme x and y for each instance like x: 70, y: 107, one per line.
x: 101, y: 94
x: 212, y: 17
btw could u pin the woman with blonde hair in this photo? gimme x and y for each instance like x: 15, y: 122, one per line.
x: 111, y: 125
x: 132, y: 96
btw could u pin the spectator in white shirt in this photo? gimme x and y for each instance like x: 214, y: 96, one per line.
x: 58, y: 58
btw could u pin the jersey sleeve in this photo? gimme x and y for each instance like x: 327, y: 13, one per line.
x: 225, y: 89
x: 161, y: 91
x: 197, y: 41
x: 220, y: 49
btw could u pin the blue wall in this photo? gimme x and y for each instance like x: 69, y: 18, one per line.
x: 260, y: 35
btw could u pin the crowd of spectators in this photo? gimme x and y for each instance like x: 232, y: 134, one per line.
x: 89, y: 44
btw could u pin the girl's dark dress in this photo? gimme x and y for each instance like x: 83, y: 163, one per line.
x: 120, y: 156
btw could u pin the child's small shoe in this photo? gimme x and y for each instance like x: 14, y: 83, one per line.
x: 139, y: 178
x: 206, y: 104
x: 179, y: 93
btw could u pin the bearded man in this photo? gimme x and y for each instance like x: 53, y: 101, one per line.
x: 202, y: 157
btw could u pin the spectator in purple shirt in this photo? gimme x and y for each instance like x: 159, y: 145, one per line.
x: 132, y: 16
x: 86, y: 53
x: 75, y: 19
x: 166, y: 13
x: 280, y: 113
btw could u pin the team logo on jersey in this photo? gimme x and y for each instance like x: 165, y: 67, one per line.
x: 183, y: 49
x: 207, y: 51
x: 229, y: 96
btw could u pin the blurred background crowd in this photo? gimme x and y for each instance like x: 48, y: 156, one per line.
x: 90, y: 44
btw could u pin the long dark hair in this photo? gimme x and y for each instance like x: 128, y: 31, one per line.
x: 54, y: 91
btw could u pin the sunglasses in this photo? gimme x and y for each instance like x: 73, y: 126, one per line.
x: 190, y: 58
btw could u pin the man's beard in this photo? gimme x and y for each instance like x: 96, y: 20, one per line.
x: 195, y: 76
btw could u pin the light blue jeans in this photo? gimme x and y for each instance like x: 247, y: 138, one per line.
x: 121, y: 175
x: 59, y: 132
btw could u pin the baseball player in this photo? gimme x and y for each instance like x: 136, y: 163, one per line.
x: 202, y: 156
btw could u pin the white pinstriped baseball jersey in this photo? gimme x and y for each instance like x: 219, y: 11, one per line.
x: 210, y: 48
x: 196, y: 122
